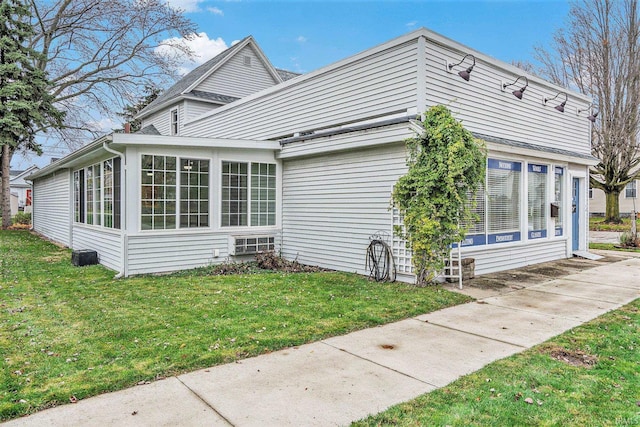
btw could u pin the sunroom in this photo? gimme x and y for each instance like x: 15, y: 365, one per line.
x: 149, y: 203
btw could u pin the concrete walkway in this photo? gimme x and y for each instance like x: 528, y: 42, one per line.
x: 604, y: 237
x: 342, y: 379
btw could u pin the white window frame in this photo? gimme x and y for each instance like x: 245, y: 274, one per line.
x: 177, y: 199
x: 535, y: 170
x: 631, y: 187
x: 249, y: 164
x: 174, y: 120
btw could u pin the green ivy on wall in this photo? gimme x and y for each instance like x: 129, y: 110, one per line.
x: 446, y: 168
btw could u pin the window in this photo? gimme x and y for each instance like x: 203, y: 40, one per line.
x: 194, y: 193
x: 174, y: 122
x: 108, y: 193
x: 234, y: 194
x: 96, y: 194
x: 263, y: 194
x: 476, y: 231
x: 78, y: 195
x: 162, y: 206
x: 239, y: 208
x: 559, y: 196
x: 630, y: 191
x: 158, y: 196
x: 537, y: 201
x: 503, y: 201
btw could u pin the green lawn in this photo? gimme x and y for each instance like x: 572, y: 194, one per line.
x: 602, y: 390
x: 611, y: 247
x: 67, y: 331
x: 598, y: 224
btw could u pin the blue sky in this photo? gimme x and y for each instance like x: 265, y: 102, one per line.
x: 303, y: 36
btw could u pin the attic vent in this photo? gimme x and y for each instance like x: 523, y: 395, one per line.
x: 247, y: 61
x: 250, y: 244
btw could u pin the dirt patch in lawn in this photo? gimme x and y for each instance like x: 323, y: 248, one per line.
x: 573, y: 357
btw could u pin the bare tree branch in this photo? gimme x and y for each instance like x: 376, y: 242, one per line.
x: 100, y: 55
x: 599, y: 55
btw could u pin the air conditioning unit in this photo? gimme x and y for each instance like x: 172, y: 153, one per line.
x: 249, y: 245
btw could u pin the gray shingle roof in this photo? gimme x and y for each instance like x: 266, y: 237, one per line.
x: 519, y: 144
x: 184, y: 83
x: 210, y: 96
x: 148, y: 130
x: 286, y: 75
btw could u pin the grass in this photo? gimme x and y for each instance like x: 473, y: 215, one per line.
x: 611, y: 247
x: 603, y: 392
x: 69, y: 332
x: 598, y: 224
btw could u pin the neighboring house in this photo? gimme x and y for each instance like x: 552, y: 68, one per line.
x: 21, y: 188
x: 306, y: 165
x: 628, y: 201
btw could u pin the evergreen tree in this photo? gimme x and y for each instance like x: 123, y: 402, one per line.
x: 25, y: 103
x: 129, y: 112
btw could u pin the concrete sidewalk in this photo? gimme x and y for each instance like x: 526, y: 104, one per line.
x: 342, y: 379
x: 605, y: 237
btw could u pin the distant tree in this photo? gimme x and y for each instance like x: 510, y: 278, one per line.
x: 100, y: 55
x: 129, y: 112
x: 598, y: 53
x: 26, y: 106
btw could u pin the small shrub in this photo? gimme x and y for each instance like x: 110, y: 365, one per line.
x: 271, y: 261
x: 22, y: 218
x: 628, y: 239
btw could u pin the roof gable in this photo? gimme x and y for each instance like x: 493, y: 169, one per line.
x: 199, y: 74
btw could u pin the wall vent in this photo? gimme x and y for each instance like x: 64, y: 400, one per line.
x: 247, y: 61
x: 248, y: 245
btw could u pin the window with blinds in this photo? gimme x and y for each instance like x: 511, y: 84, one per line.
x: 476, y: 230
x: 558, y: 185
x: 537, y: 201
x: 503, y: 200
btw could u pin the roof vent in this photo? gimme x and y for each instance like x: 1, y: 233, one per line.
x: 247, y: 61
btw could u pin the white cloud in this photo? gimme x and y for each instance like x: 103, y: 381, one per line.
x: 202, y: 46
x: 301, y: 39
x: 411, y: 24
x: 186, y: 5
x: 215, y: 10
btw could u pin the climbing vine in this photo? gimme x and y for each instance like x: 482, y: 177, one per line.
x: 446, y: 167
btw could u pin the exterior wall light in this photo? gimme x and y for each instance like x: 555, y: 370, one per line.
x: 465, y: 74
x: 592, y: 116
x: 518, y: 92
x: 559, y: 107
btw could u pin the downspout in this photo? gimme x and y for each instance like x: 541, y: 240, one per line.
x: 123, y: 208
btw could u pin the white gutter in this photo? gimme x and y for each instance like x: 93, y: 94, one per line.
x: 123, y: 207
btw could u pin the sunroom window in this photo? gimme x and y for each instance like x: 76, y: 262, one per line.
x: 96, y: 191
x: 163, y: 207
x: 241, y: 207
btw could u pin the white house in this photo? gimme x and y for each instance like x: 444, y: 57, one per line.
x: 240, y: 157
x: 21, y: 189
x: 628, y: 200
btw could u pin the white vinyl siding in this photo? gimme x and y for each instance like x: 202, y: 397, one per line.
x: 52, y: 206
x: 180, y: 251
x: 376, y: 85
x: 193, y: 109
x: 161, y: 119
x: 333, y: 203
x: 236, y: 79
x: 107, y: 243
x: 484, y: 108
